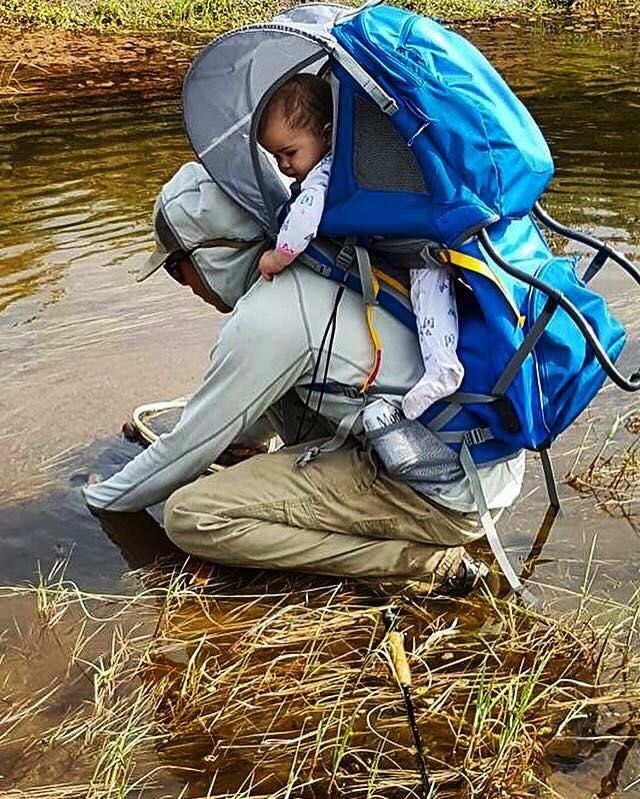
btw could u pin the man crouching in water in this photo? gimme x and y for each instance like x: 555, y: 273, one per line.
x: 342, y: 514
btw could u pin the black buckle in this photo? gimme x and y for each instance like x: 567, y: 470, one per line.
x: 475, y: 436
x: 346, y: 257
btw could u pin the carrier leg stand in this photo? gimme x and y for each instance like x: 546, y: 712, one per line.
x: 509, y: 421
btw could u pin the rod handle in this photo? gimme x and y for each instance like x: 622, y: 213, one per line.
x: 399, y: 662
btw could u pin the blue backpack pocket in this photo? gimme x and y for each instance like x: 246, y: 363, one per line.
x: 569, y: 373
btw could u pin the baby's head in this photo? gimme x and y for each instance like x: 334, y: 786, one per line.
x: 295, y: 126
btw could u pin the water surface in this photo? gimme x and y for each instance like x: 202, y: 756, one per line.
x: 81, y: 343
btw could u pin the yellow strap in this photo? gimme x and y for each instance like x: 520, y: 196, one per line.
x: 375, y: 340
x: 390, y: 281
x: 465, y: 261
x: 460, y: 259
x: 373, y: 333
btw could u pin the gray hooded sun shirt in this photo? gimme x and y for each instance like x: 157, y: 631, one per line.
x: 267, y: 348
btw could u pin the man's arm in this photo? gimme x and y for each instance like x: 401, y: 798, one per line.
x: 258, y: 358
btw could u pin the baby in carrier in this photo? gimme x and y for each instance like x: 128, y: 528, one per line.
x: 296, y: 128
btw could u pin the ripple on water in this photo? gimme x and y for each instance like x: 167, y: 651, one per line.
x: 80, y: 180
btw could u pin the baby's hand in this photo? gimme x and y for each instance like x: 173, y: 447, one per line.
x: 271, y: 263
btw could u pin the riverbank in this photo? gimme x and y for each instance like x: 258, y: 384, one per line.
x: 217, y: 16
x: 47, y: 64
x: 233, y: 685
x: 68, y: 58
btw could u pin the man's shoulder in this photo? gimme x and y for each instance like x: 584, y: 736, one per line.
x: 275, y: 309
x: 299, y: 303
x: 291, y: 291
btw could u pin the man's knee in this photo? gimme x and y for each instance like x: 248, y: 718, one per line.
x: 198, y: 507
x: 196, y: 522
x: 189, y: 510
x: 176, y: 511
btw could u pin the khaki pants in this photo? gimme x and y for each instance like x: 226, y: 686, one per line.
x: 340, y: 515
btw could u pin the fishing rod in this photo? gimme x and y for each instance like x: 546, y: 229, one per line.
x: 401, y: 671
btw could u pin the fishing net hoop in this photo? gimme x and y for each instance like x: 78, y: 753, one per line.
x: 142, y: 415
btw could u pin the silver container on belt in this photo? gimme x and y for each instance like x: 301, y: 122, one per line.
x: 409, y: 450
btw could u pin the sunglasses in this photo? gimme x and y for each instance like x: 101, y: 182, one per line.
x: 173, y: 268
x: 173, y: 264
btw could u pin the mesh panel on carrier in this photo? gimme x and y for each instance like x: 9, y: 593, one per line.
x: 382, y: 160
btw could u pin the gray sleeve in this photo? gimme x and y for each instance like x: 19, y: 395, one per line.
x: 257, y: 359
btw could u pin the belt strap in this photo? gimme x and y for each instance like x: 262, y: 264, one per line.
x: 380, y: 97
x: 369, y: 286
x: 342, y: 433
x: 530, y: 341
x: 365, y: 272
x: 476, y: 436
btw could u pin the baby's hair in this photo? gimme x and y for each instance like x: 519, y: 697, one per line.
x: 305, y: 101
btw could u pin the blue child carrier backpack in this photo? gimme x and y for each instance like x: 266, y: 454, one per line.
x: 435, y: 161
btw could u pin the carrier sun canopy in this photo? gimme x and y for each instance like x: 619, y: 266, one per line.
x: 429, y: 141
x: 225, y: 87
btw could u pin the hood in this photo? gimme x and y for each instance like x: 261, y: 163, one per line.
x: 223, y: 241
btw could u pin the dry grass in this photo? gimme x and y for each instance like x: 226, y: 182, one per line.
x: 280, y: 687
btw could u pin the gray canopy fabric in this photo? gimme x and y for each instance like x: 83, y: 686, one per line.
x: 224, y: 88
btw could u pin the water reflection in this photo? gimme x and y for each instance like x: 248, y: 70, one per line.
x: 80, y: 182
x: 74, y: 327
x: 583, y: 91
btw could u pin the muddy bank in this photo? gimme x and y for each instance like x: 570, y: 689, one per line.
x: 50, y: 64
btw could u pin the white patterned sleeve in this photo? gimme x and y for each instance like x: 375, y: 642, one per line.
x: 434, y: 304
x: 302, y: 221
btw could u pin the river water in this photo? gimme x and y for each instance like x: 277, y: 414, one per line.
x: 81, y: 344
